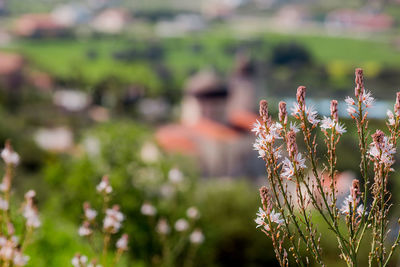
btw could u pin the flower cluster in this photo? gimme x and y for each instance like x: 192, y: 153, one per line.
x: 112, y: 223
x: 273, y: 217
x: 363, y: 99
x: 301, y: 111
x: 182, y: 226
x: 300, y: 184
x: 351, y: 204
x: 30, y: 211
x: 290, y: 168
x: 113, y: 220
x: 176, y: 231
x: 10, y: 252
x: 381, y: 150
x: 13, y: 244
x: 82, y: 261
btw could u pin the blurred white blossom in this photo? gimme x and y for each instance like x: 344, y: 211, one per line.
x: 197, y: 237
x: 162, y: 227
x: 10, y: 156
x: 148, y: 209
x: 193, y: 213
x: 181, y: 225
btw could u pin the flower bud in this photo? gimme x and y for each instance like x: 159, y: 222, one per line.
x: 359, y: 90
x: 263, y: 194
x: 301, y: 95
x: 264, y: 110
x: 282, y: 112
x: 355, y: 189
x: 291, y: 143
x: 334, y: 110
x: 397, y: 105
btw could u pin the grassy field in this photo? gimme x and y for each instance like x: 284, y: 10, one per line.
x: 92, y: 59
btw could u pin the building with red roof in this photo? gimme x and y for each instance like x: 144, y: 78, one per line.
x: 215, y: 124
x: 38, y: 25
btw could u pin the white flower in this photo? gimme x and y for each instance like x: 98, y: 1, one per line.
x: 30, y: 194
x: 104, y: 186
x: 258, y: 128
x: 293, y: 127
x: 148, y: 209
x: 9, y: 156
x: 4, y: 185
x: 276, y: 217
x: 262, y: 215
x: 7, y: 251
x: 31, y: 215
x: 162, y: 227
x: 261, y: 145
x: 90, y: 214
x: 196, y: 237
x: 3, y: 241
x: 327, y: 123
x: 149, y: 153
x: 348, y: 206
x: 79, y: 260
x: 275, y: 129
x: 181, y: 225
x: 300, y: 162
x: 360, y: 210
x: 167, y: 190
x: 340, y: 128
x: 175, y: 176
x: 113, y: 220
x: 20, y: 259
x: 312, y: 114
x: 383, y: 155
x: 296, y: 110
x: 350, y: 101
x: 391, y: 119
x: 193, y: 213
x: 367, y: 99
x: 3, y: 204
x: 288, y: 169
x: 122, y: 243
x: 351, y: 111
x: 84, y: 230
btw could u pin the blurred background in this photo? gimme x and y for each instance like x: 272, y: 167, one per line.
x: 135, y: 89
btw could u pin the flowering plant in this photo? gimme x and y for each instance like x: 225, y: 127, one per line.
x: 286, y: 215
x: 177, y: 235
x: 111, y: 224
x: 13, y: 243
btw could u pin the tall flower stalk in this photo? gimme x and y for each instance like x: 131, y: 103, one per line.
x: 286, y: 216
x: 13, y: 243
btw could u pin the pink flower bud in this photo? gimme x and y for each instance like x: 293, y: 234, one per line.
x: 334, y: 110
x: 282, y: 112
x: 397, y: 105
x: 359, y: 90
x: 264, y: 110
x: 264, y: 193
x: 301, y: 95
x: 291, y: 143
